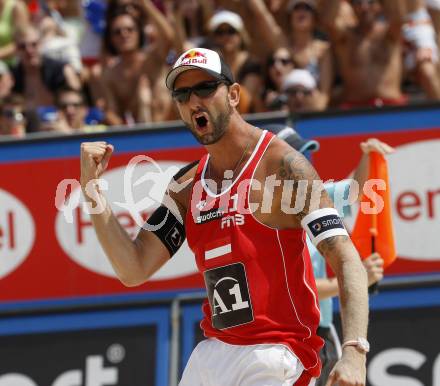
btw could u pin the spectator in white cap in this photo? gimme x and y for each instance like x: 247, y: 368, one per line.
x: 308, y: 51
x: 230, y: 39
x: 301, y: 90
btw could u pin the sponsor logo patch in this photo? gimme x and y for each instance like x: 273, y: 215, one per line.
x: 325, y: 223
x: 174, y: 238
x: 228, y: 295
x: 194, y: 57
x: 209, y: 215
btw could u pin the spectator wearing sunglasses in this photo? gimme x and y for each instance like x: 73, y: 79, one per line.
x: 129, y: 82
x: 301, y: 90
x: 36, y: 76
x: 370, y: 54
x: 12, y: 116
x: 278, y: 65
x: 71, y: 114
x: 230, y: 39
x: 307, y: 50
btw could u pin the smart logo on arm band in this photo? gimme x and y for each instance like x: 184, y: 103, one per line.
x: 323, y: 223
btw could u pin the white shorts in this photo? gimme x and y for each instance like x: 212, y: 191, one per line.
x: 215, y: 363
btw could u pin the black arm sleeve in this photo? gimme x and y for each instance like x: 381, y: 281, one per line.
x: 167, y: 228
x: 164, y: 224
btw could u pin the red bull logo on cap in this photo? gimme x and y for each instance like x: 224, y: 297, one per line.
x: 193, y: 54
x: 193, y: 57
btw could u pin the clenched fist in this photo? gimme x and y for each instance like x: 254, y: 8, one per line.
x: 95, y: 157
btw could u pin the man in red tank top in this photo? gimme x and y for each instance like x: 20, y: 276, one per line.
x: 243, y: 209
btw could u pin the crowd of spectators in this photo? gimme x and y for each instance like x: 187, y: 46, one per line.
x: 82, y: 65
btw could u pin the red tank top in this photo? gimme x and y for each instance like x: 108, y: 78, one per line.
x: 259, y: 280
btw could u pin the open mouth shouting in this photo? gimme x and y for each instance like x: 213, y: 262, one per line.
x: 201, y: 122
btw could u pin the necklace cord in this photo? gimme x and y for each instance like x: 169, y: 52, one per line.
x: 237, y: 164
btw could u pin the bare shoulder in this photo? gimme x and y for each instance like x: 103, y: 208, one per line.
x: 293, y: 169
x: 288, y: 163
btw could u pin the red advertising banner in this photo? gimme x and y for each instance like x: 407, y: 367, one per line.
x: 48, y: 248
x: 47, y: 253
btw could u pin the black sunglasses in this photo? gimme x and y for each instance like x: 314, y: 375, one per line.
x: 297, y: 91
x: 360, y: 2
x: 202, y: 90
x: 120, y: 31
x: 16, y: 114
x: 225, y: 31
x: 26, y: 45
x: 65, y: 105
x: 303, y: 7
x: 283, y: 61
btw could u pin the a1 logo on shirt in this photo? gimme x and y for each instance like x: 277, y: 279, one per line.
x: 228, y: 295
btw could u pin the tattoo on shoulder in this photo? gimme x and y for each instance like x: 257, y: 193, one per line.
x: 296, y: 167
x: 307, y: 185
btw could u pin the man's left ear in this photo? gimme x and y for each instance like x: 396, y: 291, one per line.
x: 234, y: 94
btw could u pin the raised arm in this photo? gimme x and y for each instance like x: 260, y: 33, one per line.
x: 175, y: 18
x: 155, y: 59
x: 271, y: 32
x: 326, y: 78
x: 362, y: 170
x: 343, y: 258
x: 134, y: 261
x: 395, y: 12
x: 20, y: 14
x: 20, y: 19
x: 329, y: 12
x: 165, y: 30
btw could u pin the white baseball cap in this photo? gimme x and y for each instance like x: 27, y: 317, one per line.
x: 201, y: 59
x: 225, y: 17
x: 299, y: 77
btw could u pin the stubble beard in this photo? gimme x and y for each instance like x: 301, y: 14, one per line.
x: 219, y: 124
